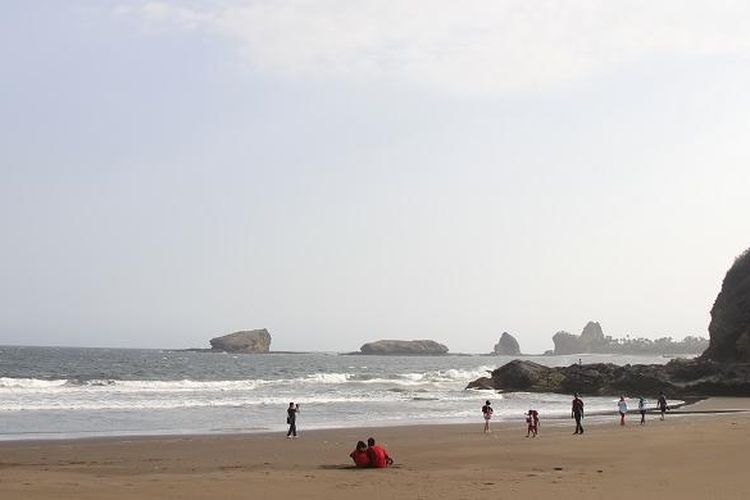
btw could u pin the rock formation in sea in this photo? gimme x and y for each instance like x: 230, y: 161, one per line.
x: 404, y: 347
x: 593, y: 340
x: 730, y: 316
x: 507, y: 346
x: 678, y: 378
x: 565, y: 343
x: 247, y: 341
x: 723, y: 370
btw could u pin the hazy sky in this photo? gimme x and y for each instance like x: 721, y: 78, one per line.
x: 339, y: 171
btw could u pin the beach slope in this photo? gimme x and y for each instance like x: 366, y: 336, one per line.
x: 692, y: 456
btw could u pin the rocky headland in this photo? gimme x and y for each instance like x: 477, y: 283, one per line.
x: 722, y: 370
x: 507, y: 346
x: 247, y: 341
x: 404, y: 347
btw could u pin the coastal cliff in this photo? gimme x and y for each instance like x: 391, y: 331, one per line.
x: 730, y: 316
x: 723, y: 370
x: 404, y: 347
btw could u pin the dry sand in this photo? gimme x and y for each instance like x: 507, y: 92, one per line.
x: 687, y: 457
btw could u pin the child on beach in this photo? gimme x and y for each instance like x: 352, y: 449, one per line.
x: 487, y: 414
x: 622, y: 407
x: 532, y: 422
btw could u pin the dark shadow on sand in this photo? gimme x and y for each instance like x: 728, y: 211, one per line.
x: 352, y: 467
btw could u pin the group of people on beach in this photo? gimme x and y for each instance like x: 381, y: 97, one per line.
x: 532, y: 420
x: 661, y: 405
x: 577, y: 413
x: 364, y: 455
x: 370, y: 455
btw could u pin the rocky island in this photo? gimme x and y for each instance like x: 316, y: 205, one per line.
x: 246, y: 341
x: 722, y: 370
x: 404, y: 347
x: 507, y: 346
x: 592, y: 340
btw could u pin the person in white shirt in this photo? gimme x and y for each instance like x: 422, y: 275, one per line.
x: 622, y: 406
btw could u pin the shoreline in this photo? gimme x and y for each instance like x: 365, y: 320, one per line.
x: 707, y: 406
x: 693, y: 456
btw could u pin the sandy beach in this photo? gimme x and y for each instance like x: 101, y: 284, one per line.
x: 698, y: 455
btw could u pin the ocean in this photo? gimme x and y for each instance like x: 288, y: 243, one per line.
x: 59, y: 392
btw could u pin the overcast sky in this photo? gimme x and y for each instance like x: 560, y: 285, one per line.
x: 339, y: 171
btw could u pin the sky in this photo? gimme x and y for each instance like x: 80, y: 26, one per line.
x: 341, y: 171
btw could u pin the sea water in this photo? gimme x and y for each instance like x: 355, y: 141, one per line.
x: 55, y: 392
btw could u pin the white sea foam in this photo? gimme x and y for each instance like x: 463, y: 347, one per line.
x: 438, y: 377
x: 30, y: 383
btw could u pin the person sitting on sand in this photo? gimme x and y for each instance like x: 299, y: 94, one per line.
x: 378, y: 456
x: 360, y: 456
x: 642, y: 409
x: 622, y: 407
x: 487, y: 414
x: 661, y: 404
x: 577, y: 412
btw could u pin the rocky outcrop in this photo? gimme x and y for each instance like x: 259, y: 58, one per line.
x: 730, y: 316
x: 592, y: 336
x: 404, y: 347
x: 678, y: 378
x: 250, y: 341
x: 565, y: 343
x: 593, y: 340
x: 507, y: 346
x: 723, y: 370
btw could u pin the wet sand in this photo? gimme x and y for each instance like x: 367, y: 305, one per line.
x: 686, y: 457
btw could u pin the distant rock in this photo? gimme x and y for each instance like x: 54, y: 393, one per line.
x: 566, y: 343
x: 593, y: 340
x: 730, y: 316
x: 507, y: 346
x: 592, y: 336
x: 404, y: 347
x: 249, y: 341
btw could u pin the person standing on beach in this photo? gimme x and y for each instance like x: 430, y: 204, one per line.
x: 487, y: 412
x: 291, y: 419
x: 661, y: 404
x: 577, y: 413
x: 622, y: 407
x: 532, y: 422
x: 642, y: 409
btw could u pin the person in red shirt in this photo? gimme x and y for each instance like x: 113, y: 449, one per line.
x: 360, y: 456
x: 378, y: 456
